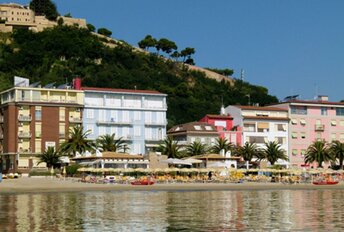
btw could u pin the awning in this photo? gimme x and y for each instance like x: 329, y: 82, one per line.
x: 263, y: 125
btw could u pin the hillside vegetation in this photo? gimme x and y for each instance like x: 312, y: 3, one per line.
x: 62, y: 53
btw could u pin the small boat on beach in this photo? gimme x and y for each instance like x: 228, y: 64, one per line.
x: 325, y: 182
x: 142, y: 182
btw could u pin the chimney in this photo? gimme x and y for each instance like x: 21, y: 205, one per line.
x: 322, y: 98
x: 77, y: 83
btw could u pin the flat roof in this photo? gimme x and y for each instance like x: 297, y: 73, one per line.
x: 97, y: 89
x: 261, y: 108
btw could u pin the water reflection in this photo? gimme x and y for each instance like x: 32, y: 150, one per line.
x: 171, y: 211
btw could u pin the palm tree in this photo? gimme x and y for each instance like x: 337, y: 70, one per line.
x: 273, y: 152
x: 196, y: 148
x: 109, y: 143
x: 337, y: 151
x: 221, y: 144
x: 50, y: 157
x: 318, y: 152
x: 77, y: 141
x: 247, y: 152
x: 169, y: 148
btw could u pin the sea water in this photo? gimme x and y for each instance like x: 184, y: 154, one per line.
x: 282, y: 210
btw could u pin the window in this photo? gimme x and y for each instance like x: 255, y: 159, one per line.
x: 281, y: 127
x: 263, y: 127
x: 62, y: 114
x: 62, y: 129
x: 249, y: 127
x: 323, y: 110
x: 38, y: 146
x: 280, y: 140
x: 294, y: 135
x: 340, y: 111
x: 208, y: 128
x: 298, y: 110
x: 294, y: 152
x: 303, y: 152
x: 333, y: 136
x: 38, y: 113
x: 318, y: 136
x: 38, y: 129
x: 101, y: 130
x: 137, y: 115
x: 137, y: 131
x: 197, y: 127
x: 341, y: 137
x: 303, y: 135
x: 89, y: 113
x: 341, y: 123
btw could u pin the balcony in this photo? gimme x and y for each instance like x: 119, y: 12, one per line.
x: 163, y: 123
x: 24, y: 150
x: 319, y: 127
x: 24, y: 118
x: 75, y: 120
x: 113, y: 122
x: 24, y: 135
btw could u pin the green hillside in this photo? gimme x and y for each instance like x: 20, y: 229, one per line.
x: 61, y: 53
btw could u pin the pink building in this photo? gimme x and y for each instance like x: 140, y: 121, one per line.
x: 224, y: 125
x: 311, y: 121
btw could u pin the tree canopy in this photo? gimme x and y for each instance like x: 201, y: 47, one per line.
x: 62, y: 52
x: 45, y: 8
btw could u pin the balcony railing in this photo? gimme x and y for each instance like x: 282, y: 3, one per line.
x: 163, y: 123
x: 319, y: 127
x: 24, y: 150
x: 75, y: 120
x: 24, y: 135
x: 24, y: 118
x: 114, y: 122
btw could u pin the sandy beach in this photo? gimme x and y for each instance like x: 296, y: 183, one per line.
x: 38, y: 185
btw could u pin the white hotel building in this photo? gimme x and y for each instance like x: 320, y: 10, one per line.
x: 261, y: 125
x: 138, y: 116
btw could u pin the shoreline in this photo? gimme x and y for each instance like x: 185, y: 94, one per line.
x: 53, y: 185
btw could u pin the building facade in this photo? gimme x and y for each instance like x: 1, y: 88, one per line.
x: 188, y: 133
x: 224, y: 126
x: 18, y: 16
x: 33, y: 119
x: 311, y: 121
x: 136, y: 116
x: 261, y: 125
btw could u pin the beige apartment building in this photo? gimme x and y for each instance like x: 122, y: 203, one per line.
x: 32, y: 119
x: 18, y: 16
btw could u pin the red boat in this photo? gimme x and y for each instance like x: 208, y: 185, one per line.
x: 142, y: 182
x: 325, y: 182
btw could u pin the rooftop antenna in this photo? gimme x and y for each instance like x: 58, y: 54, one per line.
x: 316, y: 91
x: 242, y: 72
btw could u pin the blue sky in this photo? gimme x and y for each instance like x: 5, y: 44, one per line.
x: 290, y: 47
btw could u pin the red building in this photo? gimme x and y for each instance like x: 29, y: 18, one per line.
x: 224, y: 125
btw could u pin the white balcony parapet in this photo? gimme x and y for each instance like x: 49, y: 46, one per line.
x: 151, y: 123
x: 113, y: 122
x: 24, y: 118
x: 24, y: 135
x: 75, y: 120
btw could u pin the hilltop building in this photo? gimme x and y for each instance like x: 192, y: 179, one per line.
x: 136, y: 116
x: 261, y: 125
x: 33, y: 118
x: 18, y: 16
x: 310, y: 121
